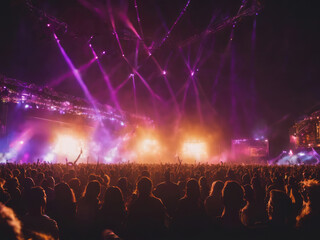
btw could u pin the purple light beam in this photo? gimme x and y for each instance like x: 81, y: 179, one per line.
x: 77, y: 75
x: 107, y: 80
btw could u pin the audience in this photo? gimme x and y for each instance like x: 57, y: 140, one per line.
x: 87, y: 201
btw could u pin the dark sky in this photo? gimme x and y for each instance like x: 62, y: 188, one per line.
x: 265, y: 83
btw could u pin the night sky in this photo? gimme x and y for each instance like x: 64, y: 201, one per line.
x: 257, y: 84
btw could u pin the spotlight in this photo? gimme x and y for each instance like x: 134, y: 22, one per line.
x: 192, y: 73
x: 26, y: 106
x: 21, y: 142
x: 164, y: 72
x: 90, y: 45
x: 48, y: 25
x: 104, y: 52
x: 67, y: 145
x: 195, y: 150
x: 149, y: 146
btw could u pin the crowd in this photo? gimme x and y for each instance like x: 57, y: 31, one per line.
x: 158, y: 201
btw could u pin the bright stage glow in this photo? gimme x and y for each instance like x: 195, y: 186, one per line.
x: 195, y: 150
x: 49, y: 157
x: 68, y: 146
x: 149, y: 146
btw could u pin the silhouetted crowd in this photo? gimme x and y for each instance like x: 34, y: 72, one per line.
x: 158, y: 201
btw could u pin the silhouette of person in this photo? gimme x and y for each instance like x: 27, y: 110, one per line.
x: 168, y: 192
x: 213, y: 203
x: 112, y: 214
x: 36, y: 220
x: 190, y: 218
x: 146, y: 214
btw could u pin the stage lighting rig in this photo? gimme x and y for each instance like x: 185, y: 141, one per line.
x: 245, y: 10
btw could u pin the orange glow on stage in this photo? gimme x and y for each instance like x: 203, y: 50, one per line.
x: 194, y: 151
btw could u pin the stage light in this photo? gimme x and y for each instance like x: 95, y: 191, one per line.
x: 192, y: 73
x: 90, y: 45
x: 21, y: 142
x: 195, y: 150
x: 122, y: 123
x: 26, y: 106
x: 68, y: 146
x: 48, y: 25
x: 104, y: 52
x: 164, y: 72
x: 149, y: 146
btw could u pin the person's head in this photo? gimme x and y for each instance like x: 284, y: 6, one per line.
x: 64, y: 194
x: 12, y: 184
x: 16, y: 172
x: 92, y: 177
x: 10, y: 226
x: 232, y: 196
x: 92, y: 190
x: 123, y: 183
x: 40, y: 178
x: 74, y: 183
x: 216, y: 188
x: 203, y: 182
x: 279, y: 206
x: 36, y: 200
x: 193, y: 190
x: 51, y: 182
x: 145, y: 173
x: 28, y: 183
x: 245, y: 179
x: 113, y: 198
x: 144, y: 187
